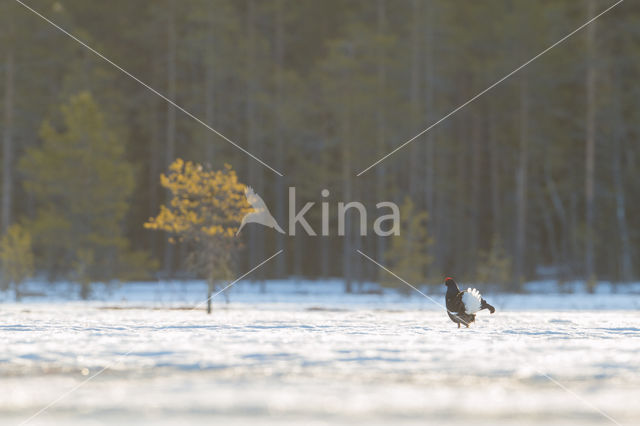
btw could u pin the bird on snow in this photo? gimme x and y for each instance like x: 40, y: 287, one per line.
x: 463, y: 305
x: 260, y: 213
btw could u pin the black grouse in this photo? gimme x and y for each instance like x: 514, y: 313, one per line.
x: 463, y: 305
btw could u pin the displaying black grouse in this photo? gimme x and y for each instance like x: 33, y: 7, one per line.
x: 463, y: 305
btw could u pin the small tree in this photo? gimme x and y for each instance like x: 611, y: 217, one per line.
x: 204, y: 212
x: 494, y: 266
x: 16, y: 257
x: 408, y: 255
x: 81, y: 182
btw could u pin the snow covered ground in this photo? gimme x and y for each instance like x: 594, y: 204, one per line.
x: 311, y: 355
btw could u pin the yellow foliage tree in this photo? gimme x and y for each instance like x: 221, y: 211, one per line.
x: 16, y: 257
x: 204, y: 212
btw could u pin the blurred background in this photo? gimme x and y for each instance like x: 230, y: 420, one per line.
x: 537, y: 179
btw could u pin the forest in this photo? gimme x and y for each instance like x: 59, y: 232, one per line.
x: 537, y: 178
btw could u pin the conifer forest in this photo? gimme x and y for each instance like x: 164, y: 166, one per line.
x: 535, y: 178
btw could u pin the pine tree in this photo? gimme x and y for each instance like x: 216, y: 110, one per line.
x: 204, y: 212
x: 81, y: 184
x: 16, y: 257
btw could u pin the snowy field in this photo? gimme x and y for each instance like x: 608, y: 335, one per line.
x: 310, y: 355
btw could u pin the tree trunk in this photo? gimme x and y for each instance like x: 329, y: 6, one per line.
x: 429, y: 105
x: 171, y: 112
x: 475, y: 139
x: 617, y: 167
x: 430, y: 116
x: 210, y: 288
x: 547, y: 220
x: 574, y: 247
x: 156, y: 159
x: 346, y: 192
x: 521, y: 184
x: 209, y: 84
x: 414, y: 99
x: 626, y: 266
x: 255, y: 176
x: 347, y: 173
x: 590, y: 148
x: 494, y: 161
x: 558, y: 207
x: 381, y: 118
x: 461, y: 203
x: 7, y: 143
x: 281, y: 264
x: 325, y: 257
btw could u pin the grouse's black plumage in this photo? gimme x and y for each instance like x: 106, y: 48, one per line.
x: 463, y: 305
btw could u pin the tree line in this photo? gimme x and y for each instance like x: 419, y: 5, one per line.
x: 536, y: 178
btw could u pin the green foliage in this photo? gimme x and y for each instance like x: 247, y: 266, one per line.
x: 322, y: 89
x: 82, y: 184
x: 16, y: 257
x: 494, y: 265
x: 408, y: 255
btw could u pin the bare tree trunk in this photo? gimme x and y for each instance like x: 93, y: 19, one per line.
x: 558, y: 207
x: 590, y: 148
x: 298, y: 255
x: 356, y: 245
x: 326, y: 241
x: 494, y: 161
x: 7, y: 143
x: 521, y: 184
x: 209, y: 82
x: 346, y: 192
x: 281, y: 264
x: 430, y: 115
x: 460, y: 202
x: 210, y: 287
x: 476, y: 125
x: 626, y: 265
x: 325, y: 257
x: 381, y: 117
x: 171, y: 112
x: 256, y: 178
x: 347, y: 173
x: 429, y: 92
x: 414, y: 99
x: 547, y: 220
x: 574, y: 248
x: 442, y: 219
x: 155, y: 165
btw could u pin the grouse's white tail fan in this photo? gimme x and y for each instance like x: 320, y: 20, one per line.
x: 472, y: 301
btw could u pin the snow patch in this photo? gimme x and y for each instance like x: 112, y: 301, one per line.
x: 271, y: 364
